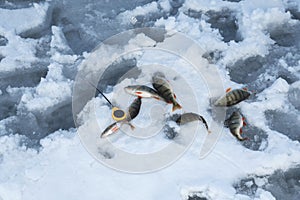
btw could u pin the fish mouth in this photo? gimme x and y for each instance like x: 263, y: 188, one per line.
x: 129, y: 89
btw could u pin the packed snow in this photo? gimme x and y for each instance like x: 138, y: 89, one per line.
x: 249, y: 43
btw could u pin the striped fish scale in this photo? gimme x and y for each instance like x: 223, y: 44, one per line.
x: 235, y: 124
x: 233, y: 97
x: 134, y: 108
x: 165, y: 91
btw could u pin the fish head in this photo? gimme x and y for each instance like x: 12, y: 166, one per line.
x: 110, y: 130
x: 130, y: 89
x: 159, y: 74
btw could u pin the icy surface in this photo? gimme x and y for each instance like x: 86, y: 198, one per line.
x: 253, y: 43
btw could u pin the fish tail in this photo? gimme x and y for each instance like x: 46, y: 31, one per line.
x: 204, y: 122
x: 131, y: 126
x: 112, y: 129
x: 243, y: 139
x: 176, y: 106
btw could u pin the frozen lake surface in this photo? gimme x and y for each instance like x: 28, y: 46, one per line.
x: 252, y: 43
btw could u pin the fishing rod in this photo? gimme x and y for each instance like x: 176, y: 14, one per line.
x: 117, y: 113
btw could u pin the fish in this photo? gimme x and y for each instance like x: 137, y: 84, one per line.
x: 190, y: 117
x: 134, y: 109
x: 165, y: 90
x: 114, y: 127
x: 235, y: 123
x: 233, y: 97
x: 142, y: 91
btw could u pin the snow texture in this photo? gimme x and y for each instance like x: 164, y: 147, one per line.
x: 253, y: 44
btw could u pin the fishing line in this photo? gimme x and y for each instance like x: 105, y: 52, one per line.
x: 117, y: 113
x: 98, y: 91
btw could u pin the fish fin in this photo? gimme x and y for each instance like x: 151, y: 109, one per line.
x: 226, y: 123
x: 113, y: 129
x: 241, y: 130
x: 139, y: 97
x: 138, y: 93
x: 243, y: 139
x: 175, y: 96
x: 246, y: 89
x: 176, y: 106
x: 244, y: 123
x: 228, y: 90
x: 131, y: 126
x: 157, y: 98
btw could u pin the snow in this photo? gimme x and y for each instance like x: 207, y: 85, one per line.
x: 18, y: 53
x: 75, y: 163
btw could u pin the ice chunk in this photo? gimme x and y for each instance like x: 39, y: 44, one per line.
x: 294, y: 95
x: 226, y: 22
x: 246, y: 186
x: 25, y: 19
x: 3, y: 41
x: 285, y: 184
x: 286, y: 123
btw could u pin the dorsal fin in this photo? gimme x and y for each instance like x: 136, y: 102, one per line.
x: 228, y: 90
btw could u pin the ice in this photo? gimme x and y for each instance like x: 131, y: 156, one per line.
x: 294, y: 95
x: 3, y: 41
x: 253, y: 44
x: 35, y: 18
x: 85, y: 26
x: 279, y: 185
x: 248, y: 70
x: 287, y: 36
x: 225, y: 22
x: 195, y: 197
x: 17, y: 4
x: 284, y: 184
x: 260, y: 72
x: 247, y: 187
x: 285, y: 123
